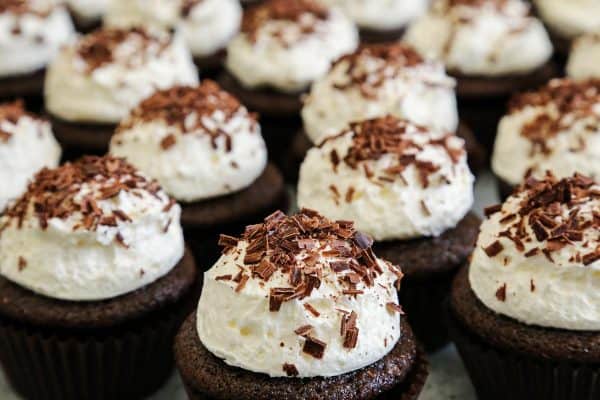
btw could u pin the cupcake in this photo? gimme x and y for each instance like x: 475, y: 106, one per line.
x: 206, y: 25
x: 493, y: 47
x: 31, y: 33
x: 26, y: 146
x: 206, y: 151
x: 93, y: 83
x: 378, y: 80
x: 409, y: 187
x: 284, y: 46
x: 87, y: 14
x: 94, y: 281
x: 584, y: 56
x: 299, y: 307
x: 524, y: 314
x: 556, y: 128
x: 566, y: 20
x: 381, y: 21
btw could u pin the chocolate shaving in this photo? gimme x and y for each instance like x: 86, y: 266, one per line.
x: 501, y: 293
x: 314, y: 347
x: 290, y: 369
x: 494, y: 249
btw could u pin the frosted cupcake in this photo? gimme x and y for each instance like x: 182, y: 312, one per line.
x: 93, y: 83
x: 493, y: 47
x: 555, y: 128
x: 87, y: 14
x: 409, y: 187
x: 383, y: 20
x: 206, y: 25
x: 94, y: 280
x: 584, y: 56
x: 26, y: 146
x: 300, y: 306
x: 207, y: 151
x: 31, y: 33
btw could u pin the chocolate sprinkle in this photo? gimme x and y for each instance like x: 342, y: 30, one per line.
x: 290, y: 369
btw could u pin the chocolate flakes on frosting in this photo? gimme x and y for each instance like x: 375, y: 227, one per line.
x: 20, y: 7
x: 11, y: 113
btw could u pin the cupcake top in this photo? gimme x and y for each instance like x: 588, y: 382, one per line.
x: 88, y: 10
x: 555, y: 128
x: 537, y: 259
x: 287, y: 44
x: 381, y: 15
x: 198, y: 142
x: 394, y: 179
x: 106, y: 73
x: 584, y: 60
x: 26, y: 146
x: 90, y: 230
x: 206, y: 25
x: 570, y: 18
x: 299, y: 296
x: 31, y: 32
x: 482, y: 37
x: 377, y: 80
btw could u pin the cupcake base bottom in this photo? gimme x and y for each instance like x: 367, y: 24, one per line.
x: 28, y: 87
x: 373, y: 36
x: 210, y: 65
x: 400, y: 375
x: 78, y: 139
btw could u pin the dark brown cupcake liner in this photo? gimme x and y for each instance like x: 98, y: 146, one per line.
x: 78, y: 139
x: 384, y: 36
x: 29, y: 87
x: 503, y: 374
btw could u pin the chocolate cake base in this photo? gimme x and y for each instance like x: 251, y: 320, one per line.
x: 29, y: 87
x: 510, y: 360
x: 85, y: 25
x: 400, y: 375
x: 429, y: 266
x: 482, y: 101
x: 78, y: 139
x: 373, y: 36
x: 210, y: 66
x: 204, y: 221
x: 291, y: 160
x: 127, y: 357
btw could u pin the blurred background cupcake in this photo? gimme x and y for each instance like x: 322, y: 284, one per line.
x: 206, y: 151
x: 493, y: 47
x: 92, y: 84
x: 382, y: 20
x: 555, y: 128
x: 284, y: 46
x: 31, y: 33
x: 207, y: 26
x: 409, y: 187
x: 87, y: 14
x: 584, y: 59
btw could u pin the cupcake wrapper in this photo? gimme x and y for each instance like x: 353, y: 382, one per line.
x: 502, y: 375
x: 423, y: 302
x: 122, y: 365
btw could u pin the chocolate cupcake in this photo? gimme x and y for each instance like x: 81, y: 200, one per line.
x: 299, y: 307
x: 381, y: 21
x: 94, y: 83
x: 584, y: 56
x: 410, y: 188
x: 284, y: 46
x: 524, y: 315
x: 379, y: 80
x: 493, y: 47
x: 566, y: 20
x: 206, y: 151
x: 31, y: 34
x: 26, y: 146
x: 207, y: 25
x: 94, y: 282
x: 87, y: 14
x: 556, y: 128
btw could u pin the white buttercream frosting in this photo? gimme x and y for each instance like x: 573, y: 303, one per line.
x: 31, y: 34
x: 489, y: 38
x: 207, y: 25
x: 584, y: 60
x: 525, y: 276
x: 197, y: 142
x: 107, y: 73
x: 26, y: 146
x: 570, y: 18
x: 417, y: 184
x: 88, y: 231
x: 381, y: 15
x: 288, y: 52
x: 238, y: 321
x: 88, y: 10
x: 378, y: 80
x: 555, y: 129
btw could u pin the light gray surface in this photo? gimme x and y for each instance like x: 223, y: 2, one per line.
x: 447, y: 379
